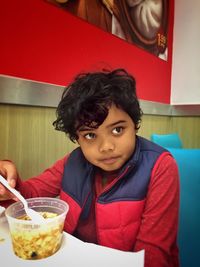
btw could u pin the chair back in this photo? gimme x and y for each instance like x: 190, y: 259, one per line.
x: 189, y: 217
x: 167, y: 140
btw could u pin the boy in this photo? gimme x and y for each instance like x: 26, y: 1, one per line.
x: 122, y: 190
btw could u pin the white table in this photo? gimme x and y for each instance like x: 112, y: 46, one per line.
x: 73, y: 253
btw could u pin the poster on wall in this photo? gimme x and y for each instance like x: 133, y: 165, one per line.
x: 143, y: 23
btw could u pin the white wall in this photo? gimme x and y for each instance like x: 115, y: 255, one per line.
x: 185, y: 83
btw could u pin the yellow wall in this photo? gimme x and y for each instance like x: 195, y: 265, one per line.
x: 28, y: 138
x: 187, y: 127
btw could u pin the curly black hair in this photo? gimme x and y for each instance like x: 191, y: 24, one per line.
x: 87, y: 99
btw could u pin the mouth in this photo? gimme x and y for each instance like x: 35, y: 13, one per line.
x: 109, y: 160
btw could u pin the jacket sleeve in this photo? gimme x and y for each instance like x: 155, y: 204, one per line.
x: 47, y: 184
x: 158, y: 231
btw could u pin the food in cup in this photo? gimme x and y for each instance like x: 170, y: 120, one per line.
x: 45, y: 215
x: 39, y: 242
x: 31, y: 240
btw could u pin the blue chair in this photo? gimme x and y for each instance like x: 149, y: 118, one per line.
x: 189, y: 218
x: 167, y: 140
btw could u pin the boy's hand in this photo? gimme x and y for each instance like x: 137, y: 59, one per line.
x: 9, y: 172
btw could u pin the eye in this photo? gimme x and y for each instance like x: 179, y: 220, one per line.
x: 117, y: 130
x: 89, y: 136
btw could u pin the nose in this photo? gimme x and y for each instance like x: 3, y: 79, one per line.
x: 106, y: 144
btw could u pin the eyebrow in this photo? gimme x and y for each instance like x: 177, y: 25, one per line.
x: 84, y: 129
x: 116, y: 123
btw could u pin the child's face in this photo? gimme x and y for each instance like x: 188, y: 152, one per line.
x: 112, y: 143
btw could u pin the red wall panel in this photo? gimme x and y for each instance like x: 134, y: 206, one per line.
x: 43, y: 43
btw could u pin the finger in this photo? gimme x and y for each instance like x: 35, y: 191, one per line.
x: 8, y: 196
x: 4, y: 198
x: 12, y: 178
x: 12, y: 181
x: 11, y: 175
x: 1, y: 189
x: 5, y: 194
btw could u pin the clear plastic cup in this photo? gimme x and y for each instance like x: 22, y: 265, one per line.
x: 34, y: 240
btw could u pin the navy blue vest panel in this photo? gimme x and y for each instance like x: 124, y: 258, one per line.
x: 134, y: 184
x: 77, y: 177
x: 79, y: 173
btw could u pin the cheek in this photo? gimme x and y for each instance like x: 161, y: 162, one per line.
x: 128, y: 145
x: 89, y: 153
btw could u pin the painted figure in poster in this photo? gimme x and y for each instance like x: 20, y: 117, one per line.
x: 141, y: 22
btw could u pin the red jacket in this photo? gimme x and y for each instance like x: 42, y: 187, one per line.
x: 133, y: 214
x: 119, y: 208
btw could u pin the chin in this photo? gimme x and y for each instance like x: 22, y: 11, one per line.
x: 111, y: 168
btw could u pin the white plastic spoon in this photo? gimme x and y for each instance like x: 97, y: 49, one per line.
x: 34, y: 215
